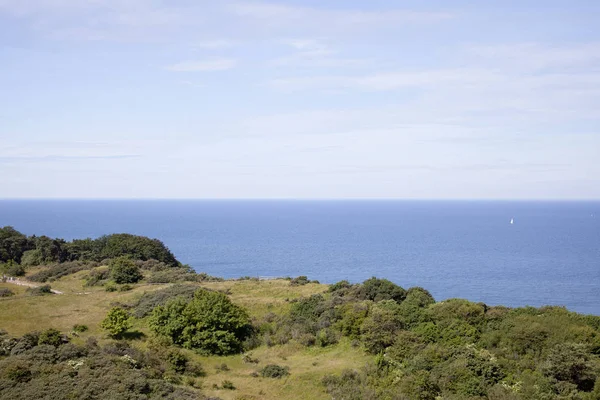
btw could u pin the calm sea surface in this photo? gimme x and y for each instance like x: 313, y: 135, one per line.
x: 550, y: 255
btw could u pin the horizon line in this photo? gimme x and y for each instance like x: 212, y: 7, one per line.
x: 324, y: 199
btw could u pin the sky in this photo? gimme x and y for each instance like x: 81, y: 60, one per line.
x: 303, y: 99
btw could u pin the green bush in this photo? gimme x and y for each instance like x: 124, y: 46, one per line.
x: 110, y: 287
x: 150, y: 300
x: 299, y: 281
x: 379, y: 330
x: 117, y: 322
x: 59, y: 270
x: 40, y: 290
x: 376, y: 290
x: 210, y: 323
x: 227, y: 385
x: 569, y: 362
x: 172, y: 275
x: 51, y: 337
x: 6, y: 292
x: 123, y: 270
x: 274, y: 371
x: 13, y: 244
x: 125, y: 288
x: 115, y: 371
x: 97, y: 277
x: 80, y: 328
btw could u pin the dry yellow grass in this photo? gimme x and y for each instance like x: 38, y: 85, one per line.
x: 307, y: 366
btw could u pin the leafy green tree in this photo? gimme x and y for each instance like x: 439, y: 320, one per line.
x: 13, y: 244
x: 117, y: 322
x: 123, y: 270
x: 210, y: 323
x: 136, y: 247
x: 380, y: 328
x: 11, y: 268
x: 570, y: 363
x: 380, y: 289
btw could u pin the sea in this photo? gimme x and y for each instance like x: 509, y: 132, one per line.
x: 549, y: 255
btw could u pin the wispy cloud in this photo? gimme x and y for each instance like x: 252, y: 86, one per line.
x: 216, y: 64
x: 27, y: 159
x: 387, y: 81
x: 280, y: 14
x: 311, y: 53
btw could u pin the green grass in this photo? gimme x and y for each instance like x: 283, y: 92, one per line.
x: 23, y: 313
x: 307, y: 368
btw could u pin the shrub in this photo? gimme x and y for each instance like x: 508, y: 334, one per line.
x: 204, y: 277
x: 209, y: 323
x: 125, y: 288
x: 327, y: 337
x: 150, y: 300
x: 13, y: 244
x: 341, y: 286
x: 14, y: 269
x: 51, y: 336
x: 380, y: 289
x: 117, y: 322
x: 379, y: 330
x: 178, y: 361
x: 172, y: 275
x: 570, y: 362
x: 123, y: 270
x: 97, y: 276
x: 110, y: 287
x: 136, y: 247
x: 227, y: 385
x: 6, y: 292
x: 299, y: 281
x: 40, y: 290
x: 274, y: 371
x: 59, y: 270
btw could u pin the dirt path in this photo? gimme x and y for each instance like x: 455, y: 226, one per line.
x: 28, y: 284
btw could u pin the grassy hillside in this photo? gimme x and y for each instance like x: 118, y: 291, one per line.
x: 373, y: 340
x: 23, y: 313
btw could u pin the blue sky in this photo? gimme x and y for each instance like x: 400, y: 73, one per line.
x: 299, y: 99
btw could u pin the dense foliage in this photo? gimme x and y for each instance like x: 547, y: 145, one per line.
x: 455, y: 349
x: 150, y: 300
x: 43, y: 366
x: 209, y: 323
x: 34, y: 250
x: 117, y: 322
x: 123, y: 270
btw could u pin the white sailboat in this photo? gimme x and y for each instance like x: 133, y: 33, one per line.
x: 512, y: 221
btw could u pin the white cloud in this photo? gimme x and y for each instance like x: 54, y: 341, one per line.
x: 311, y: 53
x: 216, y: 64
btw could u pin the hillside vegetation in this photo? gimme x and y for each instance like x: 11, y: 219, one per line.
x: 132, y: 328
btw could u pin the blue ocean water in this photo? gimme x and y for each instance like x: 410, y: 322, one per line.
x: 550, y: 255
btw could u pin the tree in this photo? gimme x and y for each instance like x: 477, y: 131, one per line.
x: 570, y: 363
x: 117, y: 322
x: 124, y: 270
x: 137, y: 247
x: 381, y: 289
x: 209, y: 323
x: 13, y: 244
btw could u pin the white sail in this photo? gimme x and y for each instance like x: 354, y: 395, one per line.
x: 512, y: 221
